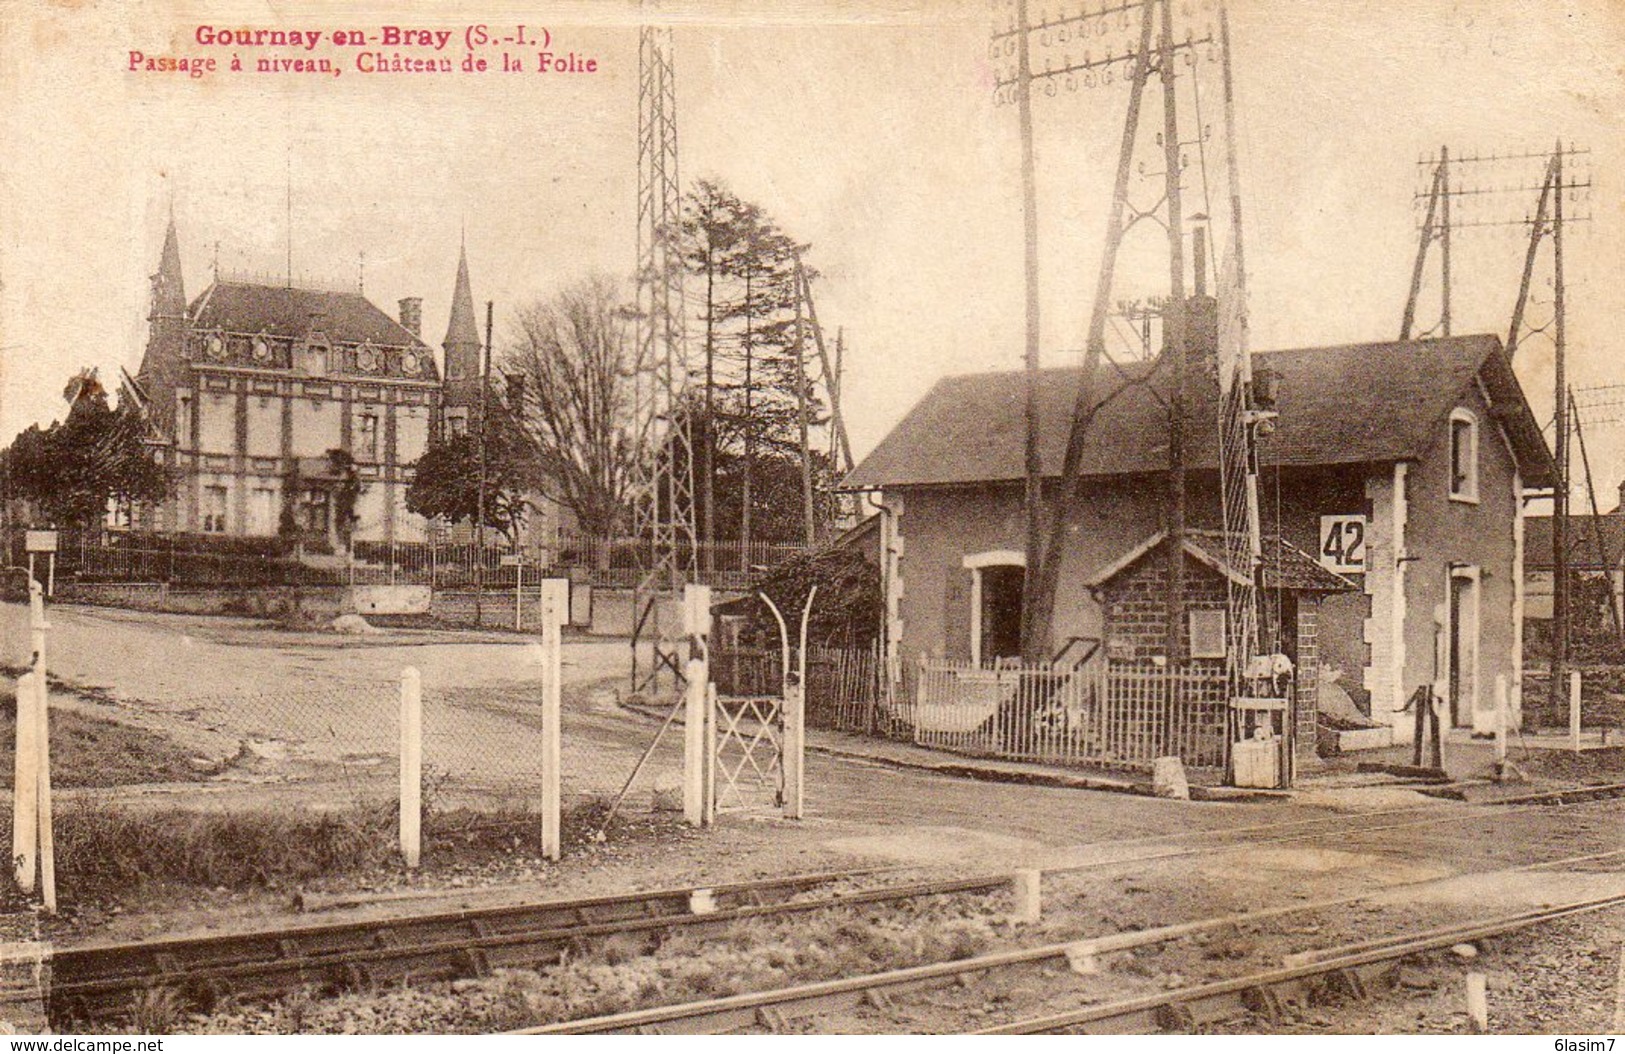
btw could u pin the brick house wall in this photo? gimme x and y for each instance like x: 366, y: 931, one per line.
x: 1136, y: 619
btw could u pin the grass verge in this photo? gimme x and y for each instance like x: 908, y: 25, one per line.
x: 107, y: 853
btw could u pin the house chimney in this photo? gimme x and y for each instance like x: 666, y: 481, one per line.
x: 412, y: 315
x: 1199, y: 245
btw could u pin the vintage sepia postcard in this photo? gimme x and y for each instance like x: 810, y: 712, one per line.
x: 881, y: 517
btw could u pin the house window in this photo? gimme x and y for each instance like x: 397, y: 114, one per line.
x: 367, y: 437
x: 457, y: 422
x: 214, y: 509
x: 1463, y: 456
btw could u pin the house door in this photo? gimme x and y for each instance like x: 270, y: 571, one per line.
x: 1001, y: 611
x: 1463, y: 648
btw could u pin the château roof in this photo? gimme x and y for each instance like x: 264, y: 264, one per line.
x: 287, y: 311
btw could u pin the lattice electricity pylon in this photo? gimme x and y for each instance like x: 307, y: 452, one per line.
x: 1097, y: 46
x: 663, y: 493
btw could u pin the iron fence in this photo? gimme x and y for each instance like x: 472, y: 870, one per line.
x: 1103, y: 712
x: 440, y: 562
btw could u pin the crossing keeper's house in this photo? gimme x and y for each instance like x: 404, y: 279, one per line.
x: 1401, y: 467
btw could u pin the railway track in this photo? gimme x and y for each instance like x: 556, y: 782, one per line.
x: 1349, y: 969
x: 98, y: 981
x: 1341, y: 972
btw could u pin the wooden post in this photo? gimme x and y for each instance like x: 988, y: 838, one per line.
x: 1574, y: 710
x: 1502, y: 716
x: 25, y: 800
x: 555, y: 612
x: 47, y: 834
x: 795, y: 706
x: 411, y: 766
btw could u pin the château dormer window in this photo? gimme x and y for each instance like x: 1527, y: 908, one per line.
x: 1463, y: 456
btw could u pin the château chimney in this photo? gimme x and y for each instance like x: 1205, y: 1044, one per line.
x: 412, y: 315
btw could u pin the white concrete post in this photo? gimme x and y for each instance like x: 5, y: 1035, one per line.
x: 695, y: 704
x: 1025, y: 892
x: 697, y: 701
x: 519, y: 594
x: 25, y: 799
x: 1503, y: 714
x: 1574, y: 710
x: 555, y: 612
x: 709, y: 751
x: 47, y: 833
x: 411, y: 766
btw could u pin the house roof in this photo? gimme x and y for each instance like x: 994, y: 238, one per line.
x: 1285, y: 566
x: 1584, y: 535
x: 283, y: 311
x: 1351, y: 404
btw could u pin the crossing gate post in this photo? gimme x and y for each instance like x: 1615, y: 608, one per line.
x: 25, y: 802
x: 411, y: 766
x: 47, y: 833
x: 697, y: 706
x: 555, y: 612
x: 795, y: 722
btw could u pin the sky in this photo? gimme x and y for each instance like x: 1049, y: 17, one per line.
x: 867, y: 129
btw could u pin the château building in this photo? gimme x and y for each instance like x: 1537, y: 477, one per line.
x: 271, y: 400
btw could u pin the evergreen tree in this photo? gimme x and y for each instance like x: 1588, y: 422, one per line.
x: 98, y: 455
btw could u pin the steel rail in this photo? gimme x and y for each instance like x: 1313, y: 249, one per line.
x: 1188, y: 1008
x: 771, y: 1009
x: 96, y: 979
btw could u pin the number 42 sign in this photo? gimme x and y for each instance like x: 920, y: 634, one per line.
x: 1342, y: 543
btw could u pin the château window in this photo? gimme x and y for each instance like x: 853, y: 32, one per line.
x: 367, y: 437
x: 1463, y: 456
x: 214, y: 509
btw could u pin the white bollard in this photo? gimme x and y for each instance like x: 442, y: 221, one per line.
x: 411, y: 766
x: 1502, y: 716
x: 25, y: 798
x: 1026, y: 895
x: 47, y: 833
x: 1478, y: 1006
x: 1574, y: 710
x: 555, y: 613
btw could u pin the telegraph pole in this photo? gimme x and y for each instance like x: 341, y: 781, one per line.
x: 1560, y: 495
x: 1550, y: 219
x: 1174, y: 321
x: 479, y: 514
x: 1035, y: 645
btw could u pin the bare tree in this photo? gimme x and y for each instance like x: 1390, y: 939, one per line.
x: 573, y: 366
